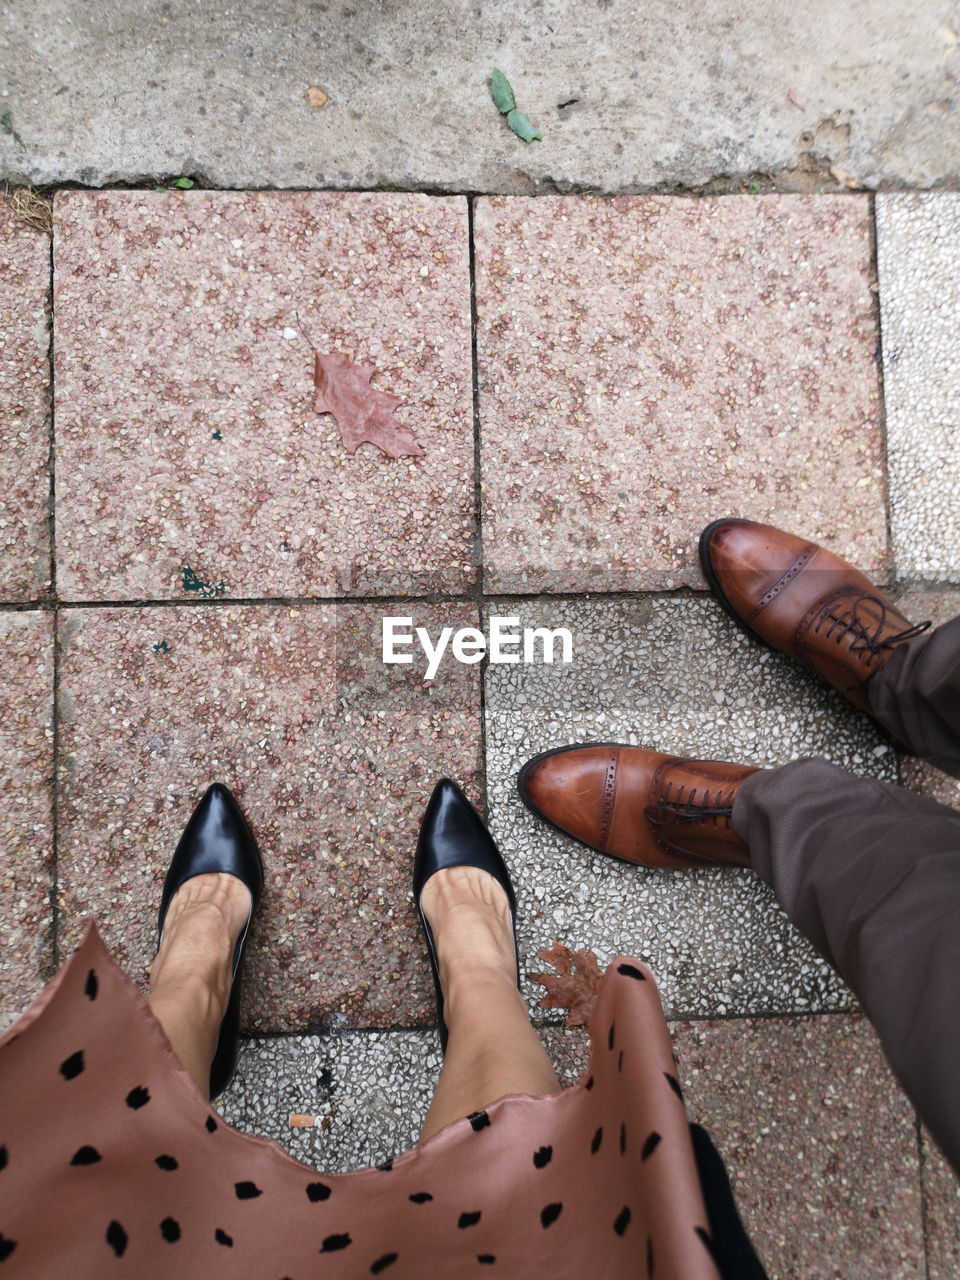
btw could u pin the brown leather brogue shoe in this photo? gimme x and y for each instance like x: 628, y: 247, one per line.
x: 642, y: 806
x: 805, y: 601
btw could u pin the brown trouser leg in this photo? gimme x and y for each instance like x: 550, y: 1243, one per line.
x: 916, y: 696
x: 870, y: 873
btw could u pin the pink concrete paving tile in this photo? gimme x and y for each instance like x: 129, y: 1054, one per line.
x: 24, y: 409
x: 26, y: 814
x: 332, y: 756
x: 190, y: 460
x: 818, y: 1140
x: 939, y: 606
x: 648, y: 364
x: 941, y: 1205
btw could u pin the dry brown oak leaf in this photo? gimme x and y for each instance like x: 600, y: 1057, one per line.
x: 574, y: 987
x: 363, y: 413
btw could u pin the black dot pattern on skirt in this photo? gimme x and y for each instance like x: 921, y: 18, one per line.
x: 479, y: 1120
x: 595, y: 1141
x: 386, y: 1166
x: 589, y: 1083
x: 623, y: 1139
x: 221, y: 1237
x: 71, y: 1067
x: 137, y: 1098
x: 707, y: 1242
x: 85, y: 1155
x: 620, y: 1061
x: 381, y: 1264
x: 91, y: 986
x: 247, y: 1190
x: 542, y: 1157
x: 117, y: 1238
x: 333, y: 1244
x: 170, y: 1230
x: 6, y: 1247
x: 317, y: 1191
x: 550, y: 1213
x: 622, y: 1221
x: 3, y: 1157
x: 612, y: 1035
x: 674, y: 1084
x: 421, y: 1197
x: 210, y: 1124
x: 468, y: 1219
x: 167, y: 1162
x: 486, y: 1259
x: 650, y: 1146
x: 631, y: 971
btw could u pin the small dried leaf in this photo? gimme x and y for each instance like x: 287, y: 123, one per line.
x: 363, y: 414
x: 301, y: 1122
x: 316, y: 97
x: 574, y: 986
x: 501, y: 92
x: 522, y: 127
x: 845, y: 179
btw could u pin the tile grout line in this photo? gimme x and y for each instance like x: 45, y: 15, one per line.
x: 938, y: 586
x: 55, y: 745
x: 882, y: 417
x: 477, y: 494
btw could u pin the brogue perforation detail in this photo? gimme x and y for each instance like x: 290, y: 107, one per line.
x: 608, y: 799
x: 801, y: 562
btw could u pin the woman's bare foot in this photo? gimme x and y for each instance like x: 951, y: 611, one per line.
x: 205, y: 918
x: 469, y: 916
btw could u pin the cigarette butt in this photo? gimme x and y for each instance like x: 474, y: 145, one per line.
x: 302, y: 1122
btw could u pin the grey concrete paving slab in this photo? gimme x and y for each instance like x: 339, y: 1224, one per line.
x: 918, y: 246
x: 628, y: 97
x: 818, y: 1140
x: 673, y: 674
x: 369, y: 1091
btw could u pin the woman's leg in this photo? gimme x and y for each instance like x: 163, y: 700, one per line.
x: 492, y: 1048
x: 190, y: 978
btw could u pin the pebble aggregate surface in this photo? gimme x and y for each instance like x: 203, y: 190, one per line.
x: 941, y: 1200
x: 645, y: 365
x: 675, y: 675
x: 186, y: 435
x: 918, y: 243
x: 819, y: 1141
x: 26, y: 808
x: 648, y: 364
x: 331, y: 755
x: 24, y: 408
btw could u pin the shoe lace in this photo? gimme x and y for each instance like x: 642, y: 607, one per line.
x: 847, y: 620
x: 692, y: 805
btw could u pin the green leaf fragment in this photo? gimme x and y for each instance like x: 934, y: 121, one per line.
x: 501, y: 92
x: 184, y: 183
x: 522, y: 127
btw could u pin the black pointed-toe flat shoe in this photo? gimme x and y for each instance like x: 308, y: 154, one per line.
x: 452, y: 834
x: 218, y: 839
